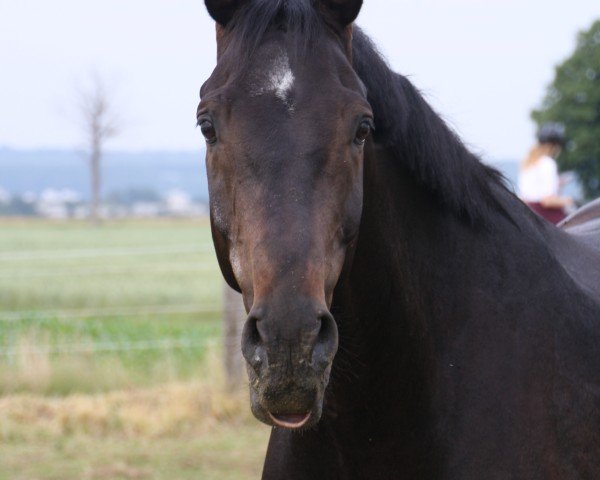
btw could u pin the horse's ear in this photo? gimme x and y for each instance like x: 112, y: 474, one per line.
x: 223, y: 10
x: 344, y: 12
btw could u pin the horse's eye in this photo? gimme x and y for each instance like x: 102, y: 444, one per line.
x: 364, y: 129
x: 208, y: 130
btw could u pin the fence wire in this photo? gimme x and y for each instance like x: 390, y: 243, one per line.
x: 111, y: 270
x: 155, y: 310
x: 101, y: 252
x: 12, y: 352
x: 108, y: 347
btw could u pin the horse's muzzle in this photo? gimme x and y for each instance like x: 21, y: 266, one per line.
x: 288, y: 365
x: 292, y: 403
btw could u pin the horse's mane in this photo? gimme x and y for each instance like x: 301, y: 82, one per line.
x: 405, y: 123
x: 422, y: 142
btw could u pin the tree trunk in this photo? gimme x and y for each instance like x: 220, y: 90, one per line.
x: 95, y: 186
x: 234, y: 315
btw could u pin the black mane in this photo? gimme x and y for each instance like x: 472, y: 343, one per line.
x: 419, y: 138
x: 405, y: 123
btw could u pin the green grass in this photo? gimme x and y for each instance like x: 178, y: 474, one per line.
x: 108, y: 364
x: 64, y: 266
x: 87, y: 309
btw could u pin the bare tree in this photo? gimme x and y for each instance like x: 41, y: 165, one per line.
x: 99, y: 124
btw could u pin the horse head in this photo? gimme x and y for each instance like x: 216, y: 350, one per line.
x: 285, y: 118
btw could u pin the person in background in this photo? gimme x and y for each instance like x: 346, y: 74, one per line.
x: 539, y: 181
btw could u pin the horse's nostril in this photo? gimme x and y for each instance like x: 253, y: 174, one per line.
x: 251, y: 333
x: 327, y: 327
x: 327, y: 339
x: 251, y: 342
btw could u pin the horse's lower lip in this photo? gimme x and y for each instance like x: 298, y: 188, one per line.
x: 286, y: 420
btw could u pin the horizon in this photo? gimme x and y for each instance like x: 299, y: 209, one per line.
x: 149, y: 151
x: 160, y: 170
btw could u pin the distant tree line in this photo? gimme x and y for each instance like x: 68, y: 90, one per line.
x: 17, y: 207
x: 133, y: 195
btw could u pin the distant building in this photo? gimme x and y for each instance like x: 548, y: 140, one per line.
x: 146, y: 209
x: 57, y: 204
x: 178, y: 203
x: 66, y: 203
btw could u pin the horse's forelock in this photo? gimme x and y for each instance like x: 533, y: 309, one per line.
x: 299, y: 18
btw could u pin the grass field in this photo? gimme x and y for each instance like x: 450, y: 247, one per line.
x: 109, y: 356
x: 126, y: 304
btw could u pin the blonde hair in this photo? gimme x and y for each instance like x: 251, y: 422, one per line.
x: 537, y: 152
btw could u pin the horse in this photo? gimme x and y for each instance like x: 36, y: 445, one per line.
x: 408, y: 316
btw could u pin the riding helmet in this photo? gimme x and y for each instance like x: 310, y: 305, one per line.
x: 552, y: 133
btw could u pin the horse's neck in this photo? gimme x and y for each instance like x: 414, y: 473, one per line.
x: 437, y: 308
x: 420, y: 253
x: 412, y: 254
x: 382, y: 374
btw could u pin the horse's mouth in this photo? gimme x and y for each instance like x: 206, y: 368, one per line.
x: 290, y: 421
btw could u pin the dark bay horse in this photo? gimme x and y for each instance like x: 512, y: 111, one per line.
x: 409, y: 317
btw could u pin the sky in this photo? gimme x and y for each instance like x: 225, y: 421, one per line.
x: 482, y: 65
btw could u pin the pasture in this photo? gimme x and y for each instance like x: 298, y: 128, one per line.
x: 110, y: 355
